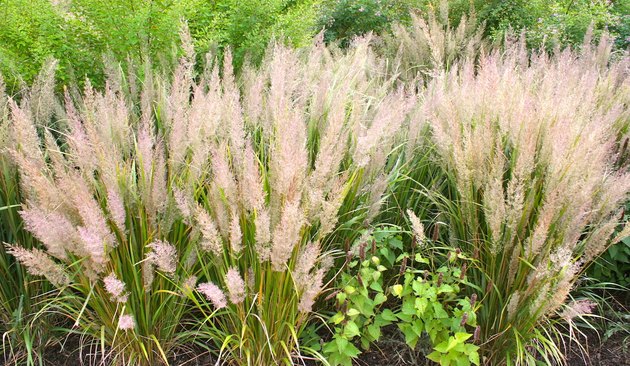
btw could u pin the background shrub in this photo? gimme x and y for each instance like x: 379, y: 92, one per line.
x: 78, y: 33
x: 552, y: 23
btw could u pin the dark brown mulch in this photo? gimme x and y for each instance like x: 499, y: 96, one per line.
x: 68, y: 353
x: 614, y: 351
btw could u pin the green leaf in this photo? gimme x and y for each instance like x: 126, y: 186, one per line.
x: 365, y: 342
x: 442, y: 346
x: 470, y: 348
x: 421, y: 305
x: 445, y: 289
x: 374, y: 331
x: 420, y: 259
x: 376, y: 275
x: 435, y: 356
x: 439, y: 311
x: 408, y: 306
x: 352, y: 351
x: 330, y: 347
x: 353, y: 312
x: 388, y: 315
x: 411, y: 338
x: 474, y: 358
x: 376, y: 286
x: 405, y: 318
x: 614, y: 251
x: 418, y: 287
x: 459, y: 360
x: 342, y: 344
x: 396, y: 243
x: 379, y: 298
x: 337, y: 318
x: 341, y: 297
x: 462, y: 337
x: 351, y: 330
x: 418, y: 326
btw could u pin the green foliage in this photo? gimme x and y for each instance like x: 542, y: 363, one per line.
x: 431, y: 304
x: 248, y: 26
x: 79, y: 32
x: 556, y: 22
x: 428, y: 309
x: 361, y: 294
x: 614, y: 264
x: 346, y: 19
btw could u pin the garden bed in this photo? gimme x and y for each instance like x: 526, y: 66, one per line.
x: 389, y: 352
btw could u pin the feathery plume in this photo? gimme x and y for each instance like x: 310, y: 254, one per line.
x: 305, y: 263
x: 263, y: 234
x: 163, y: 255
x: 577, y: 308
x: 94, y: 246
x: 236, y: 236
x: 418, y: 228
x: 251, y: 187
x: 126, y: 322
x: 330, y: 208
x: 183, y: 202
x: 213, y: 294
x: 286, y: 235
x: 235, y: 286
x: 116, y: 288
x: 211, y: 240
x: 189, y: 285
x: 116, y: 208
x: 148, y: 274
x: 38, y: 263
x: 307, y: 300
x: 54, y: 230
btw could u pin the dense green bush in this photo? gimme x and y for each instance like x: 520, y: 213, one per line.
x: 556, y: 22
x: 79, y: 32
x: 345, y: 19
x: 248, y: 26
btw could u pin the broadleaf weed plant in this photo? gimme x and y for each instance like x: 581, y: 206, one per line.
x: 528, y: 143
x: 417, y: 290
